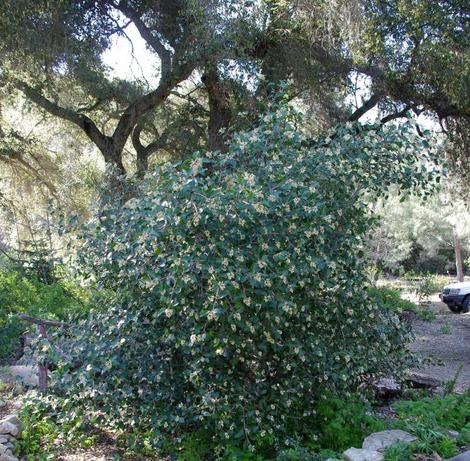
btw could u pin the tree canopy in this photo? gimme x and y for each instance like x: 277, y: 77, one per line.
x: 216, y: 60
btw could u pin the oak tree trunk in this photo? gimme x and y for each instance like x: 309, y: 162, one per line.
x: 220, y: 113
x: 458, y: 256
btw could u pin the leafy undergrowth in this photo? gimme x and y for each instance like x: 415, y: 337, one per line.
x: 20, y: 294
x: 390, y: 299
x: 340, y: 424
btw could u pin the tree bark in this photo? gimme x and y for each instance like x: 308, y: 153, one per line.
x: 220, y: 113
x: 458, y: 255
x: 144, y: 152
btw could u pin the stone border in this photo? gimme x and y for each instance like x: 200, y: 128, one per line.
x: 374, y: 446
x: 10, y: 430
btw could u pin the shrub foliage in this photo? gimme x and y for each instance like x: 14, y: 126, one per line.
x: 236, y: 286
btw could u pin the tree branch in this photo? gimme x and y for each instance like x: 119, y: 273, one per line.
x: 368, y: 105
x: 137, y: 109
x: 81, y: 120
x: 400, y: 114
x: 144, y: 152
x: 147, y: 35
x: 48, y: 323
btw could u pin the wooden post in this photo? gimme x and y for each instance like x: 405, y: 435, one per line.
x: 42, y: 367
x: 41, y: 324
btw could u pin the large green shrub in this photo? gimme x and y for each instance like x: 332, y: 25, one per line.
x: 239, y: 287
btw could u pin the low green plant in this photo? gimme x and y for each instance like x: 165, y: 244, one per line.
x: 303, y: 454
x: 445, y: 329
x: 39, y: 432
x: 45, y: 432
x: 449, y: 385
x: 19, y: 294
x: 446, y: 447
x: 449, y: 412
x: 343, y: 423
x: 410, y: 276
x: 429, y: 419
x: 400, y: 452
x: 426, y: 314
x: 429, y: 284
x: 432, y: 440
x: 390, y: 299
x: 195, y: 447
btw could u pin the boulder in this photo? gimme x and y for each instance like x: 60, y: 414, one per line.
x: 421, y: 381
x: 465, y: 456
x: 360, y: 454
x: 387, y: 388
x: 9, y: 429
x: 13, y: 419
x: 26, y: 374
x: 379, y: 441
x: 5, y: 450
x: 6, y: 457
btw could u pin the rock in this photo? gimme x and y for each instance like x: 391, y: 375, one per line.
x: 439, y: 391
x: 2, y: 404
x: 8, y: 458
x: 380, y: 440
x: 452, y: 434
x: 408, y: 317
x: 426, y: 457
x: 387, y: 388
x: 16, y: 405
x: 26, y: 374
x: 465, y: 456
x: 5, y: 450
x: 13, y: 419
x: 422, y: 381
x: 9, y: 428
x: 360, y: 454
x: 4, y: 439
x: 11, y: 425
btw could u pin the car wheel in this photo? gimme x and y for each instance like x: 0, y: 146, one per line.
x: 455, y: 309
x: 466, y: 304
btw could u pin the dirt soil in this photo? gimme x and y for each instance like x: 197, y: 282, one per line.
x: 447, y: 339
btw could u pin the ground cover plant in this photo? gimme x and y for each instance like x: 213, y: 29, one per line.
x: 25, y: 294
x: 339, y: 422
x: 391, y: 299
x: 237, y: 288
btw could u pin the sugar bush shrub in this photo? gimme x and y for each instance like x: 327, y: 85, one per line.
x: 237, y: 287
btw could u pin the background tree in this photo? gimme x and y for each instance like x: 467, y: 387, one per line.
x: 53, y: 55
x: 427, y: 236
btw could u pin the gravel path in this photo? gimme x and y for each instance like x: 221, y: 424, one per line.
x: 447, y: 339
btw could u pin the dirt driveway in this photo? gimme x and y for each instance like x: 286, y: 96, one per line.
x: 447, y: 339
